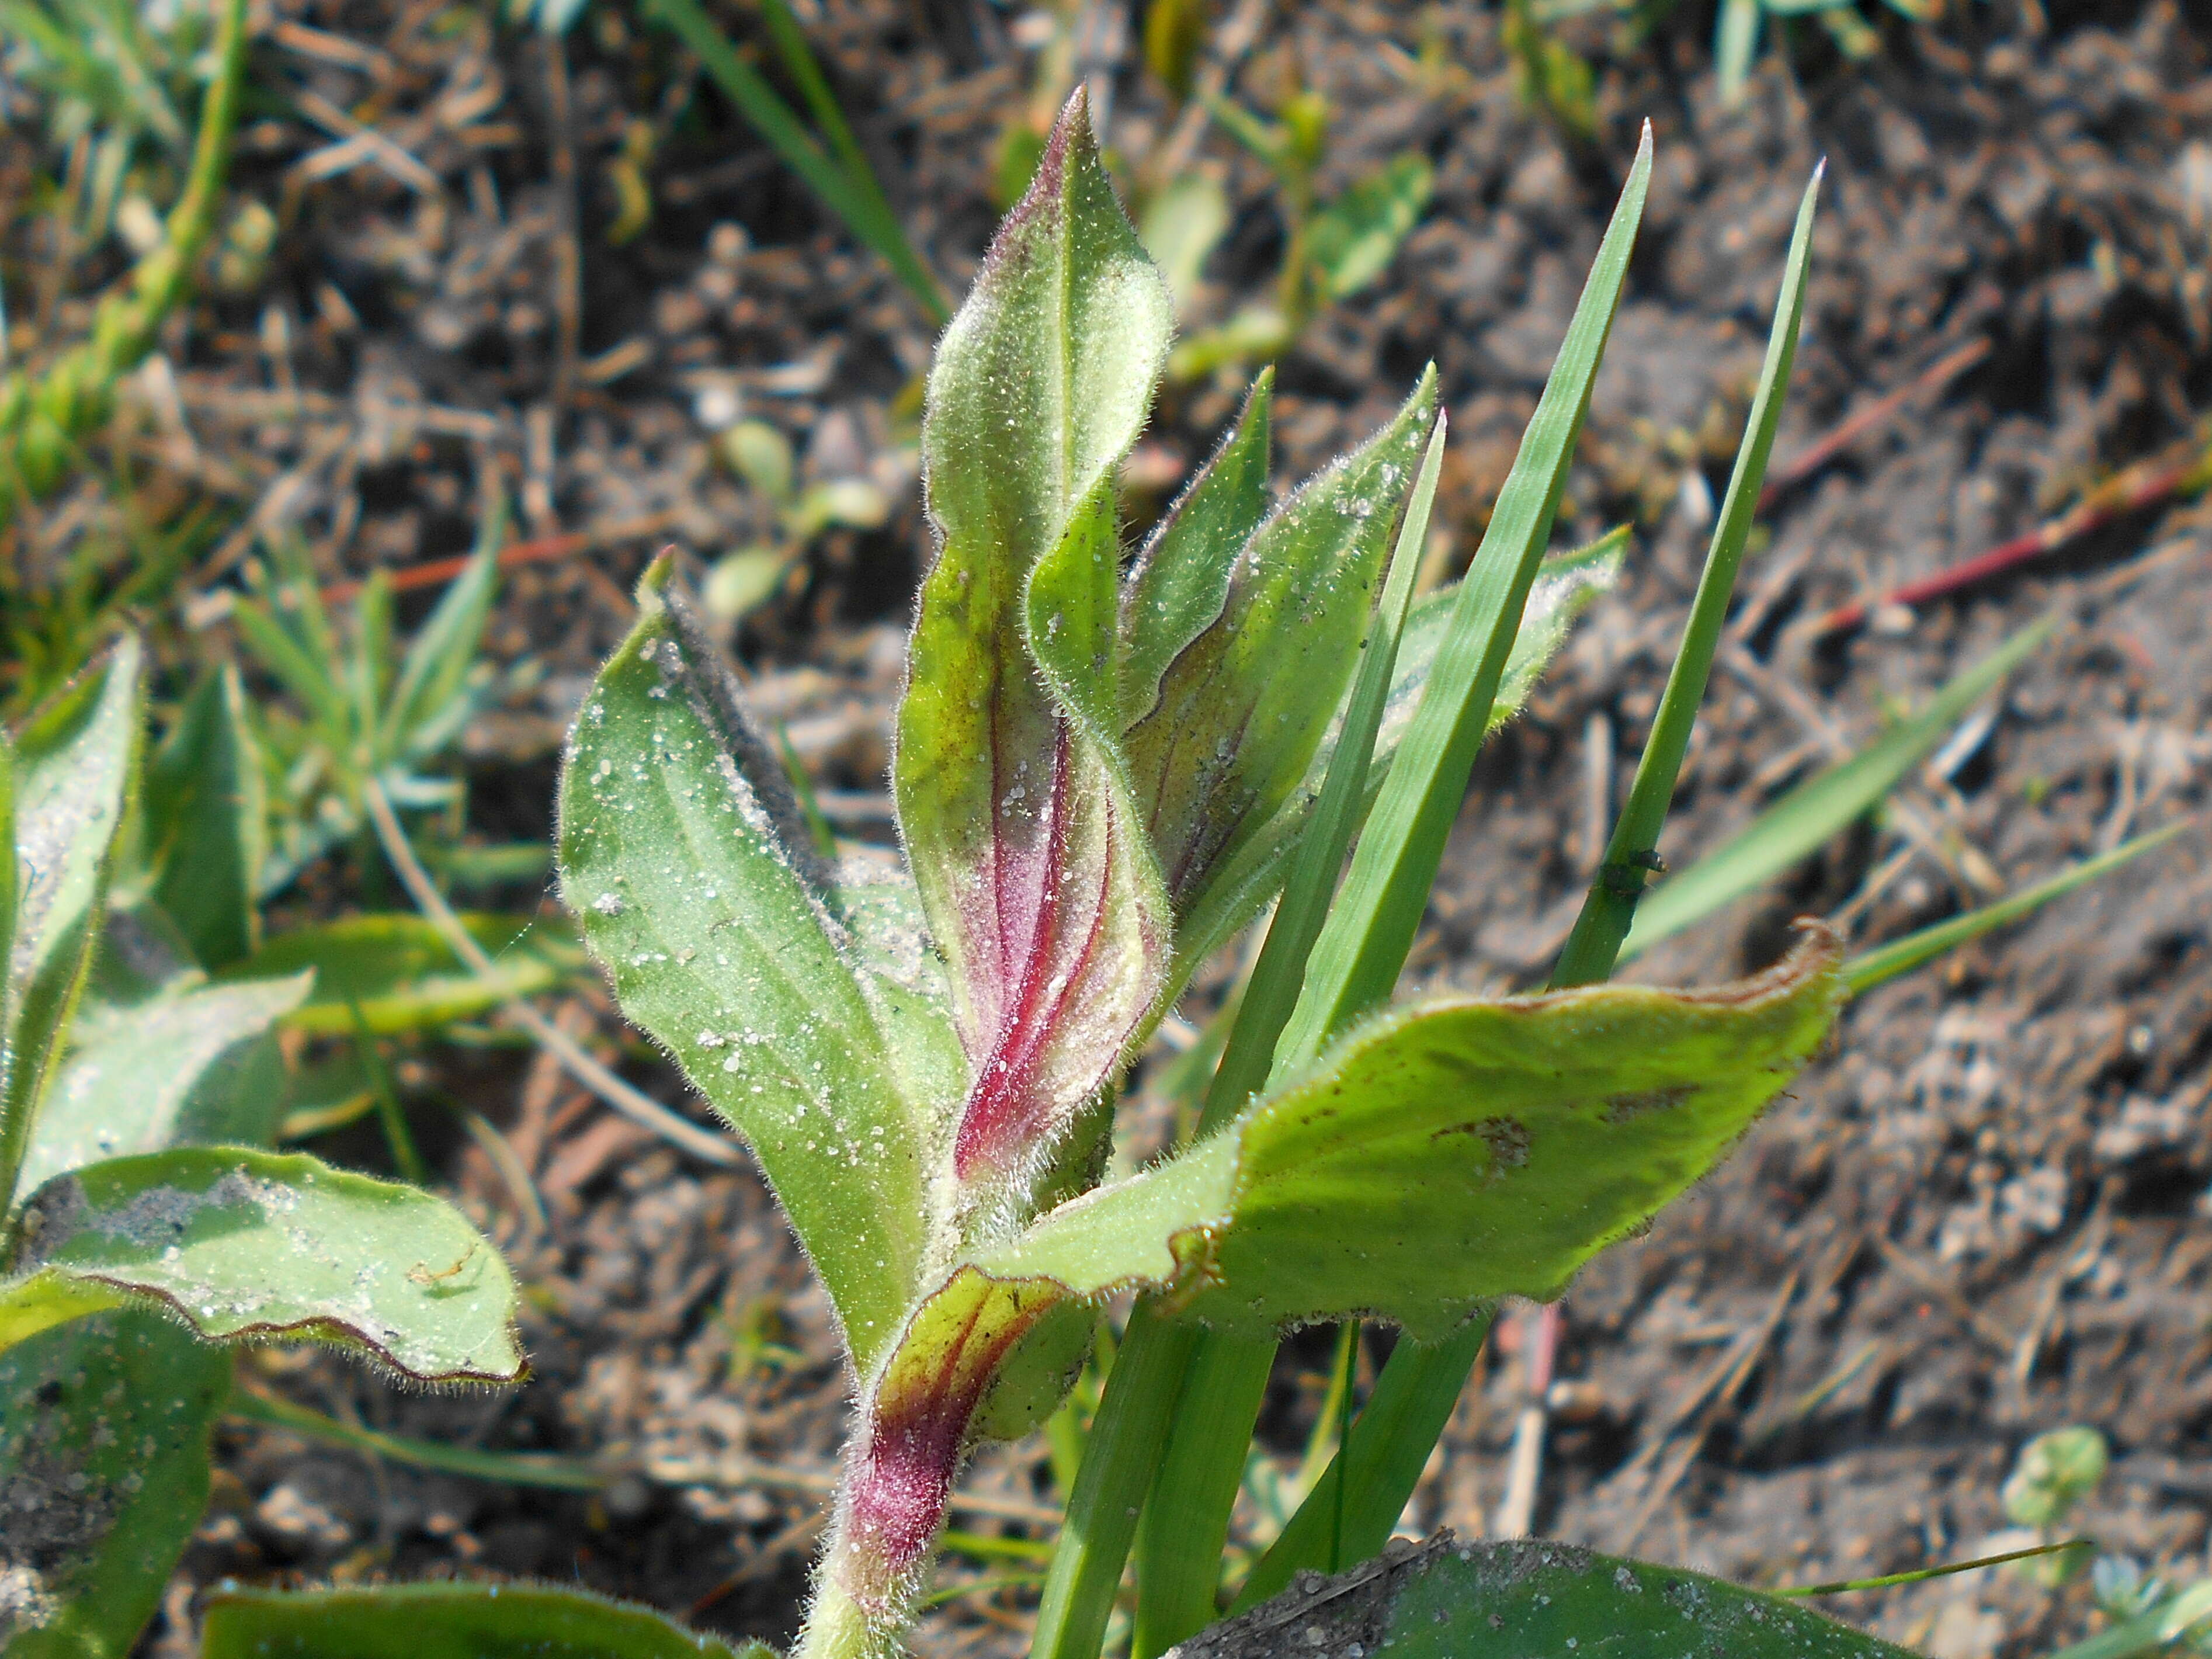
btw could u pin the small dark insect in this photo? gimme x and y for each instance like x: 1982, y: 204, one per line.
x: 1626, y: 876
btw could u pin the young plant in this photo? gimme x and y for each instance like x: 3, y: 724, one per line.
x: 144, y: 1226
x: 1098, y: 780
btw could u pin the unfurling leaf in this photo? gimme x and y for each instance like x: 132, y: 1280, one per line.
x: 698, y: 888
x: 1353, y: 239
x: 1027, y: 853
x: 195, y: 1065
x: 1241, y: 708
x: 104, y: 1441
x: 401, y: 976
x: 448, y: 1621
x: 249, y: 1245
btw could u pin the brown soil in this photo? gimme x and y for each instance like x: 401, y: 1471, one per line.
x: 1980, y: 1218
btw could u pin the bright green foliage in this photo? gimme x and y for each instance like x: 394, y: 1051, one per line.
x: 696, y: 885
x: 71, y: 765
x: 44, y: 418
x: 104, y: 1431
x: 245, y: 1244
x: 2055, y: 1471
x: 449, y: 1621
x: 1353, y: 240
x: 398, y: 971
x: 183, y: 1066
x: 207, y: 823
x: 368, y: 719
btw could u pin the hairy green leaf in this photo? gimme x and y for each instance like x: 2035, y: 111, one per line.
x: 1445, y: 1600
x: 448, y: 1621
x: 1032, y: 867
x: 104, y: 1442
x: 250, y: 1245
x: 195, y: 1065
x: 207, y: 822
x: 1180, y: 582
x: 398, y: 970
x: 1242, y: 709
x: 73, y: 767
x: 697, y: 888
x: 1563, y: 590
x: 1443, y: 1154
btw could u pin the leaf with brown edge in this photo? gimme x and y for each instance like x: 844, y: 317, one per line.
x: 1009, y: 784
x: 247, y: 1246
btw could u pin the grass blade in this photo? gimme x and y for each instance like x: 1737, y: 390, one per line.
x: 1361, y: 951
x: 866, y: 216
x: 1149, y: 1371
x: 1361, y: 948
x: 512, y: 1468
x: 1886, y: 961
x: 1816, y: 809
x: 1609, y: 909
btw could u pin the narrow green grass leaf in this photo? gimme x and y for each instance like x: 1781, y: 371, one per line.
x: 398, y: 970
x: 1358, y: 958
x: 864, y: 213
x: 1353, y: 240
x: 508, y: 1468
x: 1149, y: 1370
x: 247, y: 1245
x: 449, y: 1621
x: 1610, y: 906
x: 104, y: 1427
x: 1886, y: 961
x: 418, y: 719
x: 75, y: 763
x: 1379, y: 1464
x: 1801, y: 821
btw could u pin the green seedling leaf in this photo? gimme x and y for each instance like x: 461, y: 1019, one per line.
x: 246, y: 1245
x: 1797, y: 825
x: 207, y: 816
x: 449, y: 1621
x: 105, y: 1426
x: 1353, y: 240
x: 1242, y: 708
x: 691, y: 870
x: 1445, y: 1600
x: 73, y: 767
x: 193, y: 1067
x: 1175, y: 34
x: 1735, y: 44
x: 430, y: 702
x: 1180, y: 582
x: 1183, y: 224
x: 2055, y: 1471
x: 402, y: 976
x: 1025, y: 844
